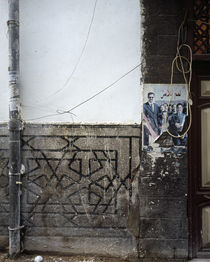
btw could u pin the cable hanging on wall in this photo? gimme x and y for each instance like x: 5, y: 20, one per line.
x: 183, y: 64
x: 69, y: 111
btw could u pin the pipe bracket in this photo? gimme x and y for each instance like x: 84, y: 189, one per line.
x: 14, y: 174
x: 12, y: 22
x: 15, y: 228
x: 14, y: 125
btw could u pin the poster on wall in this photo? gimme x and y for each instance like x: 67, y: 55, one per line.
x: 165, y: 110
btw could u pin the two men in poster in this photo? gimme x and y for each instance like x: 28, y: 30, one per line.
x: 161, y: 117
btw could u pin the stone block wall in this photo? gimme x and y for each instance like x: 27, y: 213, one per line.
x: 161, y: 22
x: 78, y: 194
x: 163, y: 178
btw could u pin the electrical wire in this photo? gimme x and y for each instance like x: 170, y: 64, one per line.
x: 90, y: 98
x: 61, y: 112
x: 67, y: 82
x: 82, y: 52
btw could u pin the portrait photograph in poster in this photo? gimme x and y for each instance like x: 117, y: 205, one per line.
x: 165, y: 109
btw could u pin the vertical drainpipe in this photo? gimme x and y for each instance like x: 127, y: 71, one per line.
x: 14, y: 127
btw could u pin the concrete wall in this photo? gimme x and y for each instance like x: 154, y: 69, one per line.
x: 80, y: 189
x: 83, y: 191
x: 73, y: 49
x: 69, y: 51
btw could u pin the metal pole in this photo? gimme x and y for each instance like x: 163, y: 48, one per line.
x: 14, y: 129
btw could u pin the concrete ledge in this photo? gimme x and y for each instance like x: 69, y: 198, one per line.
x: 109, y: 247
x: 162, y: 260
x: 82, y: 130
x: 200, y: 260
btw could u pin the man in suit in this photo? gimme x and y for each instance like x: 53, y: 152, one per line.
x: 151, y: 116
x: 176, y: 126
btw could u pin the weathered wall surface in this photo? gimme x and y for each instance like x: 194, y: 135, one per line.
x: 77, y: 194
x: 80, y: 191
x: 72, y: 50
x: 163, y: 206
x: 69, y: 51
x: 163, y: 176
x: 4, y: 190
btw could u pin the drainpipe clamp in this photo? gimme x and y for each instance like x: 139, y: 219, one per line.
x: 14, y: 174
x: 12, y: 22
x: 15, y: 228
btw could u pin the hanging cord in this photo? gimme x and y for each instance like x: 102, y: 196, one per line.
x: 187, y: 75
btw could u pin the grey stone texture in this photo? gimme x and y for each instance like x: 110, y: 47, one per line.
x: 79, y: 192
x: 163, y: 206
x: 161, y: 22
x: 164, y: 176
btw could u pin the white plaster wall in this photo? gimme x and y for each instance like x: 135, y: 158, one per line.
x: 55, y: 42
x: 4, y: 95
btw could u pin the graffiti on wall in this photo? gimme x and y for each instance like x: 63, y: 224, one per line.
x: 77, y: 181
x: 165, y: 109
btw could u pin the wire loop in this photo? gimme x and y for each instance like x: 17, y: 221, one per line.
x: 187, y: 75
